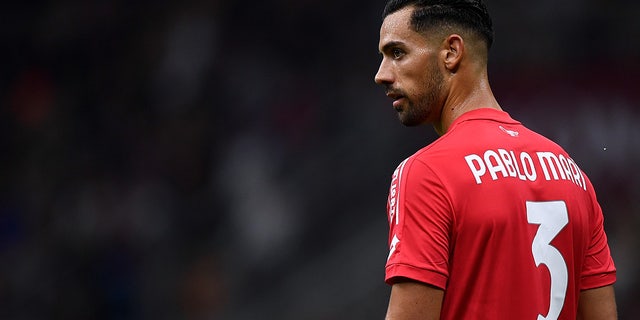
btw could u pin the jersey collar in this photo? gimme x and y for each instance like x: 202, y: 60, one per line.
x: 484, y: 114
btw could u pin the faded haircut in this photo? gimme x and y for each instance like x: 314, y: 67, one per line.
x: 471, y: 15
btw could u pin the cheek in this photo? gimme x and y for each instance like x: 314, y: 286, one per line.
x: 423, y: 73
x: 414, y: 80
x: 433, y: 78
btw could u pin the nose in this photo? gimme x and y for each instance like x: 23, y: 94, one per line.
x: 384, y: 75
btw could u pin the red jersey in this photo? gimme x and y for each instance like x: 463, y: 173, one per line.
x: 499, y: 217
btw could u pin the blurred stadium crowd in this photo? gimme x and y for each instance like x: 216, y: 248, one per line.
x: 230, y: 160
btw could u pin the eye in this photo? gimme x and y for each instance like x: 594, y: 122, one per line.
x: 397, y: 53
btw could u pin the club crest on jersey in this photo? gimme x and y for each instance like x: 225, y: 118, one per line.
x: 509, y: 132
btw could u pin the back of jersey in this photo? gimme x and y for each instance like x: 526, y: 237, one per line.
x: 526, y: 230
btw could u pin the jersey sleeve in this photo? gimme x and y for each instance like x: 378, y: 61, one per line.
x: 598, y: 268
x: 420, y: 222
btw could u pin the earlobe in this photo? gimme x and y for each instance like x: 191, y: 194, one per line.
x: 454, y: 52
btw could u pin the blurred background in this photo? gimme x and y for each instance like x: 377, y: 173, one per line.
x: 231, y: 160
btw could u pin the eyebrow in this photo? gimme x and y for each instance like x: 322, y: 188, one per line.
x: 389, y: 45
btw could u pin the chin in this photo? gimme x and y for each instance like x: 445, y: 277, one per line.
x: 409, y: 121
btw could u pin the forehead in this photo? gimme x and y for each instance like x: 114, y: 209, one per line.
x: 396, y: 27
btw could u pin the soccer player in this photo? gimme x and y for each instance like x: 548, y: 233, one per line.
x: 491, y: 220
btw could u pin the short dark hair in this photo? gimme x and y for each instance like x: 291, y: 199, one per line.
x: 469, y: 14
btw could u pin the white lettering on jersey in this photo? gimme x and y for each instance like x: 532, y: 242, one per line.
x: 545, y: 159
x: 515, y: 163
x: 501, y: 163
x: 394, y: 193
x: 509, y: 162
x: 477, y: 166
x: 530, y: 172
x: 566, y: 167
x: 494, y: 166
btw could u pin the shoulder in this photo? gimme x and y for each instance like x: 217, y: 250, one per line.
x: 426, y: 173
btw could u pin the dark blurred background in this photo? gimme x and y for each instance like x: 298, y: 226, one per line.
x: 231, y: 160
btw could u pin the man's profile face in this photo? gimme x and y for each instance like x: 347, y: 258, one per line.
x: 409, y: 70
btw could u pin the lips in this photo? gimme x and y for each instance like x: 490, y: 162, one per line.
x: 397, y: 99
x: 394, y: 95
x: 397, y: 102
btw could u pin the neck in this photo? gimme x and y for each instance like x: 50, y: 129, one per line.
x: 463, y: 97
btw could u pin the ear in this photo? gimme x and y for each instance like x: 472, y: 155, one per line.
x: 454, y: 50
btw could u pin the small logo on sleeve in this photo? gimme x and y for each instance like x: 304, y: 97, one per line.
x: 392, y: 248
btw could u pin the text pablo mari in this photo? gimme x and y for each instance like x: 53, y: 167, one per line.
x: 503, y: 163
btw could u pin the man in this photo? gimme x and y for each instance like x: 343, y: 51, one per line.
x: 492, y: 220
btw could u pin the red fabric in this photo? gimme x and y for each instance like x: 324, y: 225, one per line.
x: 469, y: 212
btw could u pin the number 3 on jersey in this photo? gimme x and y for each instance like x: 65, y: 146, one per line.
x: 552, y: 216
